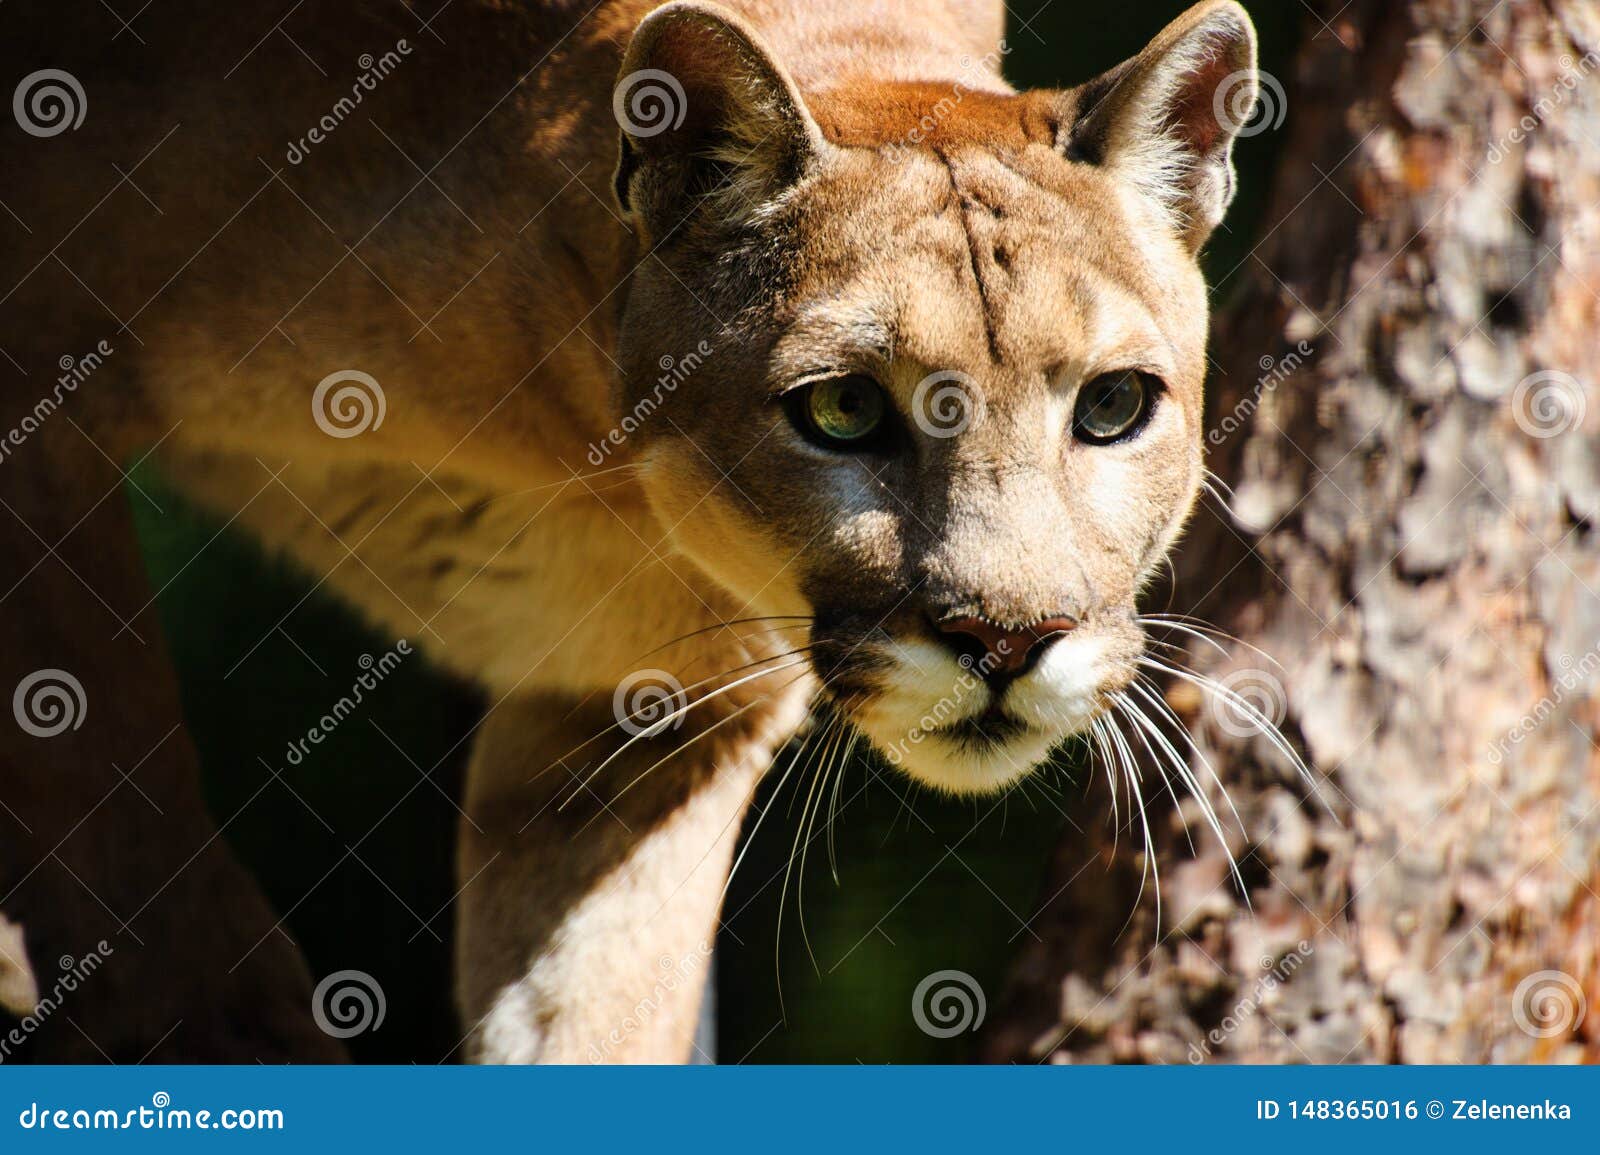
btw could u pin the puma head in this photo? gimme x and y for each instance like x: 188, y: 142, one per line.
x: 949, y: 343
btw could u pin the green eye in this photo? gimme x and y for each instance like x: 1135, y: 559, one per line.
x: 843, y: 412
x: 1112, y: 406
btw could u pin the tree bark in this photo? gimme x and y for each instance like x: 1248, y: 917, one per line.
x: 1412, y: 538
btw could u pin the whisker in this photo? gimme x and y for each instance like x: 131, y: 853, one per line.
x: 1185, y: 630
x: 1124, y: 708
x: 736, y: 816
x: 657, y: 726
x: 1219, y: 490
x: 1192, y: 784
x: 1098, y: 753
x: 833, y: 800
x: 1100, y: 748
x: 829, y: 728
x: 1040, y: 778
x: 806, y: 826
x: 797, y: 621
x: 783, y: 894
x: 1179, y: 648
x: 658, y: 763
x: 1212, y: 478
x: 743, y: 639
x: 1196, y: 627
x: 1020, y: 789
x: 1152, y: 694
x: 1264, y: 725
x: 903, y: 797
x: 749, y: 841
x: 1152, y: 869
x: 642, y: 716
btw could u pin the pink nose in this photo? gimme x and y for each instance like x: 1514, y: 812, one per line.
x: 1002, y: 652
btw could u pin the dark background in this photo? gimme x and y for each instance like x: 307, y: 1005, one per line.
x: 358, y: 853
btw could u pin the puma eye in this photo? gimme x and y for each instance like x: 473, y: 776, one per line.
x: 1113, y: 406
x: 840, y: 412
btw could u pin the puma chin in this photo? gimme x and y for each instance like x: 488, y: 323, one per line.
x: 952, y: 407
x: 938, y: 719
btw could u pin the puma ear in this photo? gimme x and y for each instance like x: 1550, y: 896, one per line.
x: 711, y: 122
x: 1166, y: 119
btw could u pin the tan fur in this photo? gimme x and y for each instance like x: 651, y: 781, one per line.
x: 881, y: 203
x: 19, y: 988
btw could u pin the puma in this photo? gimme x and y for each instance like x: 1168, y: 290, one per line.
x: 669, y: 372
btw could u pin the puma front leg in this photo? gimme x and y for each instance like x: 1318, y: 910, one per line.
x: 105, y: 844
x: 590, y: 903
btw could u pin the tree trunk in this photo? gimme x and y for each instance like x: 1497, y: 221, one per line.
x: 1399, y: 405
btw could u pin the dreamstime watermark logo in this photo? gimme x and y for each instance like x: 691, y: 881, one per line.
x: 49, y: 702
x: 947, y: 1003
x: 348, y: 1003
x: 1245, y: 108
x: 648, y: 702
x: 160, y: 1115
x: 348, y: 403
x: 1577, y: 675
x: 690, y: 971
x: 373, y: 69
x: 74, y: 372
x: 674, y: 371
x: 1278, y: 971
x: 947, y: 403
x: 649, y: 102
x: 49, y: 102
x: 1274, y: 372
x: 375, y: 670
x: 1572, y: 73
x: 1245, y: 699
x: 1548, y: 403
x: 1548, y: 1004
x: 74, y: 971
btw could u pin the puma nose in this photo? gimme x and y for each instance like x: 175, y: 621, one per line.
x: 1000, y: 653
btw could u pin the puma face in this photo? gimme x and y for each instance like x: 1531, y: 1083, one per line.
x: 951, y: 408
